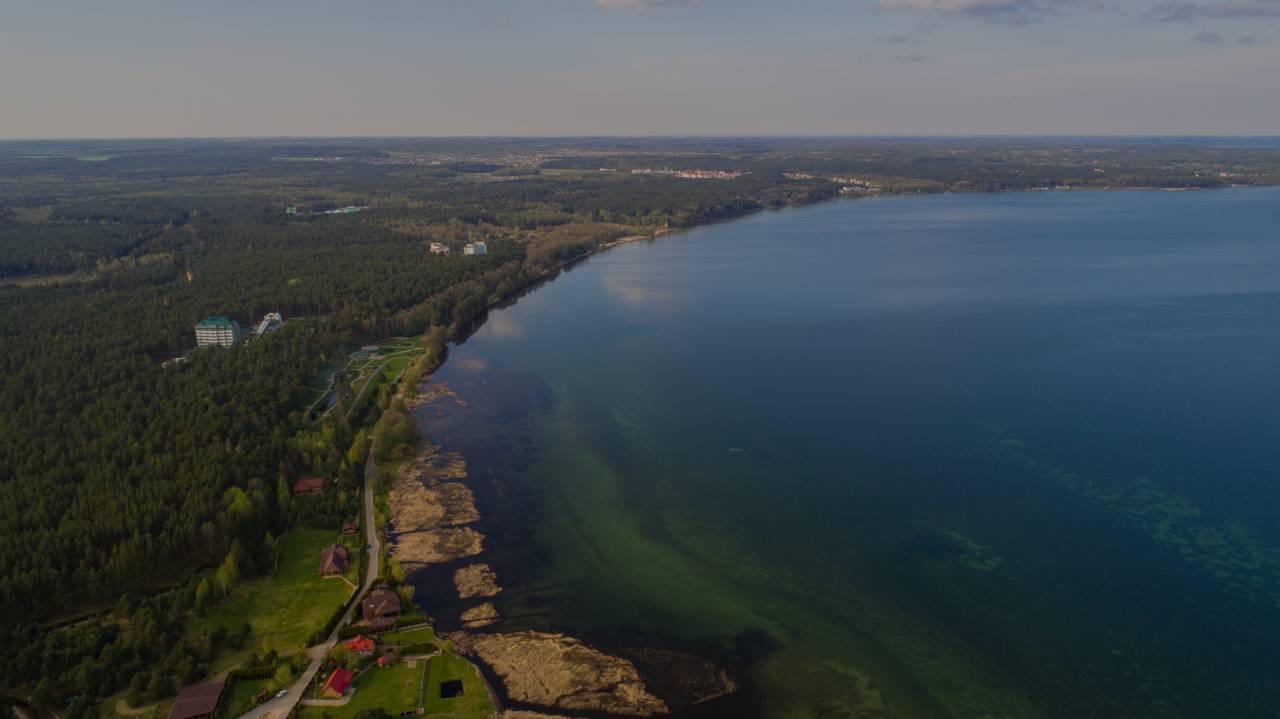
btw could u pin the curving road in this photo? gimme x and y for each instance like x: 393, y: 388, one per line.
x: 280, y: 708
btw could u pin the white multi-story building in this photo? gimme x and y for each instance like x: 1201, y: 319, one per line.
x: 270, y: 321
x: 475, y: 248
x: 439, y: 248
x: 217, y: 330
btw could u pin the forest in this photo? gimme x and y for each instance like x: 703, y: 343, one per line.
x: 131, y: 482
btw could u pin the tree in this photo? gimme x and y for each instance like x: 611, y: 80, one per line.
x: 271, y: 546
x: 283, y: 676
x: 229, y: 571
x: 283, y: 496
x: 202, y: 596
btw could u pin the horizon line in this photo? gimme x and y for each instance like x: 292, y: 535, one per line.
x: 667, y: 136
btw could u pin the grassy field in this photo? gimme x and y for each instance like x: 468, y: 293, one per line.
x: 239, y: 698
x: 411, y: 636
x: 285, y: 608
x: 394, y: 689
x: 474, y: 702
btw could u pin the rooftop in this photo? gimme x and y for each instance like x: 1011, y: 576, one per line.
x: 338, y: 681
x: 196, y: 701
x: 215, y: 321
x: 308, y: 484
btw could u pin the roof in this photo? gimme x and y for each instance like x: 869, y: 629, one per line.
x: 196, y: 700
x: 333, y: 559
x: 360, y: 644
x: 338, y: 681
x: 309, y: 484
x: 381, y: 600
x: 215, y: 321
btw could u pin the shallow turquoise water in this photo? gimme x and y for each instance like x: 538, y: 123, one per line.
x: 1005, y: 455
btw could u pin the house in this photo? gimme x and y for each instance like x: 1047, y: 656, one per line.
x: 333, y: 560
x: 197, y: 701
x: 361, y: 645
x: 475, y: 248
x: 336, y: 685
x: 439, y: 248
x: 381, y: 608
x: 217, y: 331
x: 350, y: 527
x: 308, y: 485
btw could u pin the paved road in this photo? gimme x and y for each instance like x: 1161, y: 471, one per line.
x: 280, y: 708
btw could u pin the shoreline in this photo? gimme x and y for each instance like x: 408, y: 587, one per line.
x: 498, y: 685
x: 492, y: 678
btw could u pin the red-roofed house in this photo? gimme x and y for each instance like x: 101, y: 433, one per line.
x: 308, y: 485
x: 360, y: 645
x: 336, y: 685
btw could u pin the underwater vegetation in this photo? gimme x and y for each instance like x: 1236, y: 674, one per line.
x: 1227, y: 550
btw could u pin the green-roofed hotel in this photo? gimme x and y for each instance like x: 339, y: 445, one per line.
x: 217, y: 330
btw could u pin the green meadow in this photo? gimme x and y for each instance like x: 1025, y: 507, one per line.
x: 285, y: 608
x: 394, y: 689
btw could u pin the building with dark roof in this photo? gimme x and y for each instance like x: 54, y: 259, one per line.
x: 308, y: 485
x: 197, y: 701
x: 333, y: 560
x: 381, y: 608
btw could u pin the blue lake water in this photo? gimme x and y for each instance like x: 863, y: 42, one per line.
x: 997, y: 455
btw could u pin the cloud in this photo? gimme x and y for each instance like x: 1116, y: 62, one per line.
x: 1012, y: 12
x: 900, y: 39
x: 912, y: 58
x: 1248, y: 40
x: 1209, y: 38
x: 646, y: 3
x: 1178, y: 11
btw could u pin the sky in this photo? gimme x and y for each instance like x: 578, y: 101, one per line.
x: 172, y: 68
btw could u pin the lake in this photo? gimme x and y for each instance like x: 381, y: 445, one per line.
x: 979, y: 455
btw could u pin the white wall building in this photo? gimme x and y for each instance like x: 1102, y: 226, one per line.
x: 475, y: 248
x: 270, y: 321
x: 217, y: 330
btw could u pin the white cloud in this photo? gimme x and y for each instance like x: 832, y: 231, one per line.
x: 1176, y: 10
x: 1014, y: 12
x: 646, y: 3
x: 912, y: 58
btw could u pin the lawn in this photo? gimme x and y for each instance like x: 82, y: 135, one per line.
x: 395, y: 366
x: 287, y: 607
x: 474, y: 701
x: 411, y: 636
x: 394, y: 689
x: 239, y: 698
